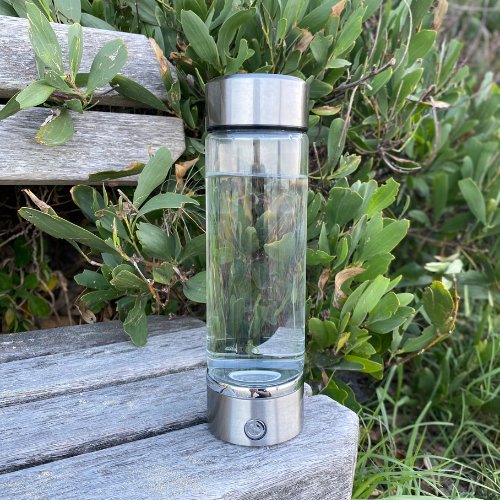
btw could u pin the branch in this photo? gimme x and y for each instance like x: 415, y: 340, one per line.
x: 346, y: 86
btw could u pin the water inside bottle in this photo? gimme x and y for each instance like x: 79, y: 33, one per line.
x: 256, y: 278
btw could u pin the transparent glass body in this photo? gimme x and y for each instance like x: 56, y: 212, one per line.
x: 256, y: 185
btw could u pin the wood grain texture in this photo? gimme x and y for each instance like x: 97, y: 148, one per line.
x: 16, y: 346
x: 102, y: 141
x: 18, y: 68
x: 192, y: 464
x: 42, y: 431
x: 102, y: 366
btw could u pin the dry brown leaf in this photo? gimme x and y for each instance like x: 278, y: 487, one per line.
x: 323, y: 279
x: 304, y: 41
x: 87, y: 315
x: 177, y: 56
x: 160, y: 57
x: 441, y: 9
x: 340, y: 279
x: 39, y: 203
x: 181, y: 168
x: 338, y: 8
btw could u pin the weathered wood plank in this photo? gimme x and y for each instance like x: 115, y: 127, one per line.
x: 18, y: 68
x: 69, y: 372
x: 102, y: 141
x: 190, y: 463
x: 16, y: 346
x: 43, y: 431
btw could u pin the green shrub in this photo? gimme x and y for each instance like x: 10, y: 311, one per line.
x: 387, y: 99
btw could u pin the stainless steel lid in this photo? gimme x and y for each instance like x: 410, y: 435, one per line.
x: 257, y: 100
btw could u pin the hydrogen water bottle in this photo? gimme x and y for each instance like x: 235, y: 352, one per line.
x: 256, y: 200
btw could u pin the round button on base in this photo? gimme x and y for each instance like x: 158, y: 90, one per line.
x: 255, y: 429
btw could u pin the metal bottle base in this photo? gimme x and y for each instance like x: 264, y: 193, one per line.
x: 262, y: 417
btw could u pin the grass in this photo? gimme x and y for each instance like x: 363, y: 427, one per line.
x: 440, y: 445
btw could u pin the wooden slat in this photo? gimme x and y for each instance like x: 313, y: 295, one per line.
x: 18, y: 68
x: 69, y: 372
x: 16, y: 346
x: 102, y: 141
x: 190, y: 463
x: 43, y: 431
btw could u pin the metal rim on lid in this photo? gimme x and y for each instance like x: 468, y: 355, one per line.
x: 257, y: 100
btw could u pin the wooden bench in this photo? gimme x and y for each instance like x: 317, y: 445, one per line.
x: 86, y: 415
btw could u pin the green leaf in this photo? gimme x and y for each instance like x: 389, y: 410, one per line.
x: 439, y: 194
x: 106, y: 65
x: 323, y: 332
x: 348, y: 165
x: 229, y: 29
x: 379, y: 81
x: 163, y: 274
x: 395, y: 321
x: 319, y: 88
x: 417, y: 343
x: 473, y: 198
x: 92, y: 279
x: 11, y: 108
x: 385, y: 240
x: 369, y: 299
x: 315, y: 257
x: 154, y: 241
x: 337, y: 63
x: 74, y: 105
x: 34, y: 94
x: 126, y: 281
x: 315, y: 20
x: 38, y: 306
x: 195, y: 247
x: 349, y: 33
x: 366, y: 365
x: 342, y: 206
x: 75, y: 48
x: 336, y: 141
x: 383, y: 197
x: 106, y: 175
x: 408, y: 84
x: 91, y: 21
x: 195, y: 288
x: 439, y: 306
x: 70, y: 9
x: 60, y: 228
x: 58, y: 129
x: 135, y: 91
x: 199, y: 38
x: 281, y: 250
x: 43, y: 39
x: 419, y: 8
x: 235, y: 63
x: 164, y: 201
x: 136, y: 323
x: 88, y: 200
x: 96, y: 300
x: 420, y: 44
x: 154, y: 173
x: 385, y: 308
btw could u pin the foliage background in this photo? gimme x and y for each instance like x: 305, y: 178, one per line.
x: 392, y: 98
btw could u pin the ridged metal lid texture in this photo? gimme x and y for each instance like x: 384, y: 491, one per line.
x: 257, y: 100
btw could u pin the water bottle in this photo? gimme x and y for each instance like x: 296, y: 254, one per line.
x: 256, y: 201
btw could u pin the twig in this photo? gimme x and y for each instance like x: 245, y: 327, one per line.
x: 394, y: 167
x: 346, y: 86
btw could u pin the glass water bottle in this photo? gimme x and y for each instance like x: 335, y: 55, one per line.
x: 256, y: 196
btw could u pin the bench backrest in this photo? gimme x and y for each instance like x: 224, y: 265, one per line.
x: 103, y: 140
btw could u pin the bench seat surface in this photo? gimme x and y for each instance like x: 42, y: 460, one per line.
x: 84, y: 415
